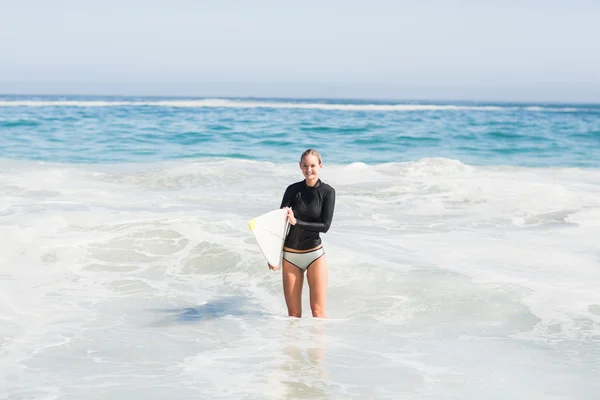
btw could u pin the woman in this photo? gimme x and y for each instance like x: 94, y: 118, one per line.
x: 309, y: 204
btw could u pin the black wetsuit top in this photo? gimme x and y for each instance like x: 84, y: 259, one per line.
x: 313, y: 209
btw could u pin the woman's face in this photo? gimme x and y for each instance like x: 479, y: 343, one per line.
x: 310, y: 167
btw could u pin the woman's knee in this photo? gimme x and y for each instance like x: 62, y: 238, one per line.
x: 318, y: 311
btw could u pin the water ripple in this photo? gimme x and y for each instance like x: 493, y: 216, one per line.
x: 108, y: 130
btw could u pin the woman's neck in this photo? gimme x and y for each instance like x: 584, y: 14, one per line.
x: 311, y: 182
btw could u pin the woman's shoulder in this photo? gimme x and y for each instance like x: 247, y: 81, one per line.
x: 325, y: 187
x: 295, y: 185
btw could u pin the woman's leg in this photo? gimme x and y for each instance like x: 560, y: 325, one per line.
x: 317, y: 282
x: 293, y: 279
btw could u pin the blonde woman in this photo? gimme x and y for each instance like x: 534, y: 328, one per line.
x: 310, y: 204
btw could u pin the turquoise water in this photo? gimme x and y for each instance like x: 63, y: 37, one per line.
x: 114, y: 130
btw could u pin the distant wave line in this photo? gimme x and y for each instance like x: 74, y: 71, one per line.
x: 220, y: 103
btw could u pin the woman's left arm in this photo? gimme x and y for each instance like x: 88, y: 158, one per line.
x: 326, y: 215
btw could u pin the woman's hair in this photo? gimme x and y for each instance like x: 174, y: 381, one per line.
x: 311, y: 152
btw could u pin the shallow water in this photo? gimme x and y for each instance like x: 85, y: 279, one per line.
x: 447, y: 280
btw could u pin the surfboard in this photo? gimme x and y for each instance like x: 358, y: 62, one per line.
x: 270, y: 230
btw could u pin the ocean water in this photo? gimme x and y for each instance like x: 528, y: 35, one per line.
x: 464, y: 257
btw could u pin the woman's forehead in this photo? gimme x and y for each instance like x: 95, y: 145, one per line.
x: 310, y: 159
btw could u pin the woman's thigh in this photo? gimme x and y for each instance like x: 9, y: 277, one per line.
x: 317, y: 276
x: 293, y: 279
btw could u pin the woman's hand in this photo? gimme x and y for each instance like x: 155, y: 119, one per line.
x: 272, y: 268
x: 290, y: 215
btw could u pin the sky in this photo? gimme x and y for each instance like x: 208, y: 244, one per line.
x: 507, y: 50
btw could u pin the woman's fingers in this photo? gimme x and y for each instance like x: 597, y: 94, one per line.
x: 272, y: 268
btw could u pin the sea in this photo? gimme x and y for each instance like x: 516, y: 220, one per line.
x: 464, y: 253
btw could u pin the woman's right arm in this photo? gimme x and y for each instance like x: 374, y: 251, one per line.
x: 287, y: 198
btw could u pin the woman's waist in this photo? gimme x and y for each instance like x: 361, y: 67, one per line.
x: 292, y: 250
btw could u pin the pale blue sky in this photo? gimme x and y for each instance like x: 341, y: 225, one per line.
x: 500, y: 50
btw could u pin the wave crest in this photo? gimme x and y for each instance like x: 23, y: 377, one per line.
x: 230, y: 103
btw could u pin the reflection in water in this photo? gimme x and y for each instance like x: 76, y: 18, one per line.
x: 304, y: 375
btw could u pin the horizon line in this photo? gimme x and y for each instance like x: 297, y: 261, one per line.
x: 522, y: 93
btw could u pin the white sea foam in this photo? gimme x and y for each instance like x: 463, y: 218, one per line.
x: 446, y: 281
x: 230, y: 103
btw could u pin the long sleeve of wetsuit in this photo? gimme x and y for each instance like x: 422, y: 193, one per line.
x: 287, y: 197
x: 326, y: 215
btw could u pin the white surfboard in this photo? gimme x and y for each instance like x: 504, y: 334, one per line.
x: 270, y: 230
